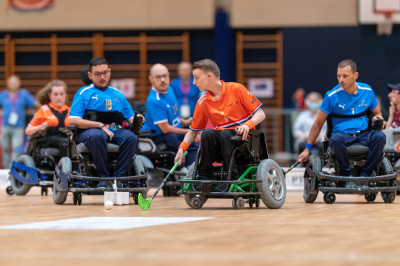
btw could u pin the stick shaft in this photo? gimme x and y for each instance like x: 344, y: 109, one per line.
x: 165, y: 179
x: 291, y: 167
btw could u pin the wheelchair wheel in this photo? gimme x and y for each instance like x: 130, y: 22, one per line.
x: 370, y: 197
x: 9, y: 191
x: 195, y: 204
x: 273, y: 185
x: 238, y: 203
x: 18, y: 187
x: 309, y: 194
x: 65, y: 165
x: 329, y: 198
x: 388, y: 197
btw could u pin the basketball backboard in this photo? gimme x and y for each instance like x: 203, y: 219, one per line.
x: 372, y: 11
x: 383, y: 13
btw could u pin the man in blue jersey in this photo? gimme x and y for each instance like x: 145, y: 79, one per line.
x: 162, y: 115
x: 185, y: 91
x: 347, y: 103
x: 98, y: 110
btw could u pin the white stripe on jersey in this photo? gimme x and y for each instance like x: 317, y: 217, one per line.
x: 88, y: 87
x: 335, y: 91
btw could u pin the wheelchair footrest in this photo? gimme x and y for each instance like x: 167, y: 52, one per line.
x: 108, y: 189
x: 221, y: 194
x: 357, y: 178
x: 98, y: 178
x: 357, y: 190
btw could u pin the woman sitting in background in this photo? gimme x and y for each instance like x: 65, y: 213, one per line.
x: 53, y: 112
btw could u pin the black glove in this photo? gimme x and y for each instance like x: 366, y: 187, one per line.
x: 137, y: 124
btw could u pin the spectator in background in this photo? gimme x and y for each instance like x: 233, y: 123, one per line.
x: 162, y: 115
x: 185, y: 91
x: 298, y: 99
x: 304, y: 122
x: 13, y: 101
x: 394, y: 109
x: 53, y: 112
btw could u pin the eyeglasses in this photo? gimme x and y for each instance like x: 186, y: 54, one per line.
x: 161, y: 76
x: 99, y: 74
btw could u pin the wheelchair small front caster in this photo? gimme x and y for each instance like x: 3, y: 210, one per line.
x: 196, y: 203
x: 44, y: 191
x: 9, y: 191
x: 370, y: 197
x: 238, y: 203
x: 77, y: 198
x: 329, y: 197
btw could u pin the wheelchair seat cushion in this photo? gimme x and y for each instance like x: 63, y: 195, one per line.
x: 49, y: 152
x: 357, y: 151
x: 111, y: 148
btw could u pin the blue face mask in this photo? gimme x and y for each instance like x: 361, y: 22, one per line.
x: 313, y: 106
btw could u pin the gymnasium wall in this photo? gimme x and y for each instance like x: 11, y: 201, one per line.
x: 177, y: 14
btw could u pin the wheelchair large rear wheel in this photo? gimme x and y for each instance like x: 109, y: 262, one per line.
x: 65, y: 165
x: 310, y: 194
x: 18, y: 187
x: 273, y: 185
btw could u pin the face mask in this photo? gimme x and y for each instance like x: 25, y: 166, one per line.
x: 313, y: 106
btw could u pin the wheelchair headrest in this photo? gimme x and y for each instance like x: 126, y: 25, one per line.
x: 85, y: 77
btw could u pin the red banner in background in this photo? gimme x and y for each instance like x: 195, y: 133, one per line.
x: 30, y: 4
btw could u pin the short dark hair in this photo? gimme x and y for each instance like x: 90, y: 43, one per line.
x: 97, y: 61
x: 207, y: 65
x: 348, y: 62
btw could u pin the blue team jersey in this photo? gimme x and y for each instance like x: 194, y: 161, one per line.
x: 190, y: 98
x: 15, y: 107
x: 338, y: 101
x: 107, y: 100
x: 161, y: 108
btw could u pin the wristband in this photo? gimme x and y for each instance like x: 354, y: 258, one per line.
x: 250, y: 124
x: 184, y: 146
x: 308, y: 146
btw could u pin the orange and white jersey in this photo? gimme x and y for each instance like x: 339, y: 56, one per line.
x: 234, y: 107
x: 45, y: 114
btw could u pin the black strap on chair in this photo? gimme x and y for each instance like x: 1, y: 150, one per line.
x: 104, y: 117
x: 329, y: 128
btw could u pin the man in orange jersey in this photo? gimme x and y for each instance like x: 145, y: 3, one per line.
x: 230, y: 108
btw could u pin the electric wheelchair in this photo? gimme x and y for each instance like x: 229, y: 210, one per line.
x: 249, y: 177
x: 77, y: 173
x: 322, y: 174
x: 36, y: 166
x: 392, y: 152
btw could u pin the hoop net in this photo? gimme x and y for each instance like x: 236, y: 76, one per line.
x: 385, y: 26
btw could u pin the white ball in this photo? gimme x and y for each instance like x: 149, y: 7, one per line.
x: 108, y: 204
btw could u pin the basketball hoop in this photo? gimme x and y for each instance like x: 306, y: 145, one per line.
x: 385, y: 26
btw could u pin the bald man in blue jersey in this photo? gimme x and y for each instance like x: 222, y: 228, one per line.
x: 348, y: 103
x: 98, y: 110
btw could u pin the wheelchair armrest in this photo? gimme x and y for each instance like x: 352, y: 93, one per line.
x: 145, y: 133
x: 378, y: 124
x: 69, y: 130
x: 252, y: 132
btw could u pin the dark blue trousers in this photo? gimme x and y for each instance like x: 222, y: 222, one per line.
x: 173, y: 140
x: 96, y: 140
x: 374, y: 140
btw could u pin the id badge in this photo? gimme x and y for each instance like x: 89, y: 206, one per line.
x: 13, y: 119
x: 185, y: 111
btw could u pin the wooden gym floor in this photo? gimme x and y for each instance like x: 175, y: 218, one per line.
x: 349, y: 232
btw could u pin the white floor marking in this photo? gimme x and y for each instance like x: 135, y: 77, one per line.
x: 104, y: 223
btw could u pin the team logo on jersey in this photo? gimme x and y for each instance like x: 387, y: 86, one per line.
x: 342, y: 106
x: 226, y: 119
x: 363, y: 103
x: 95, y: 97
